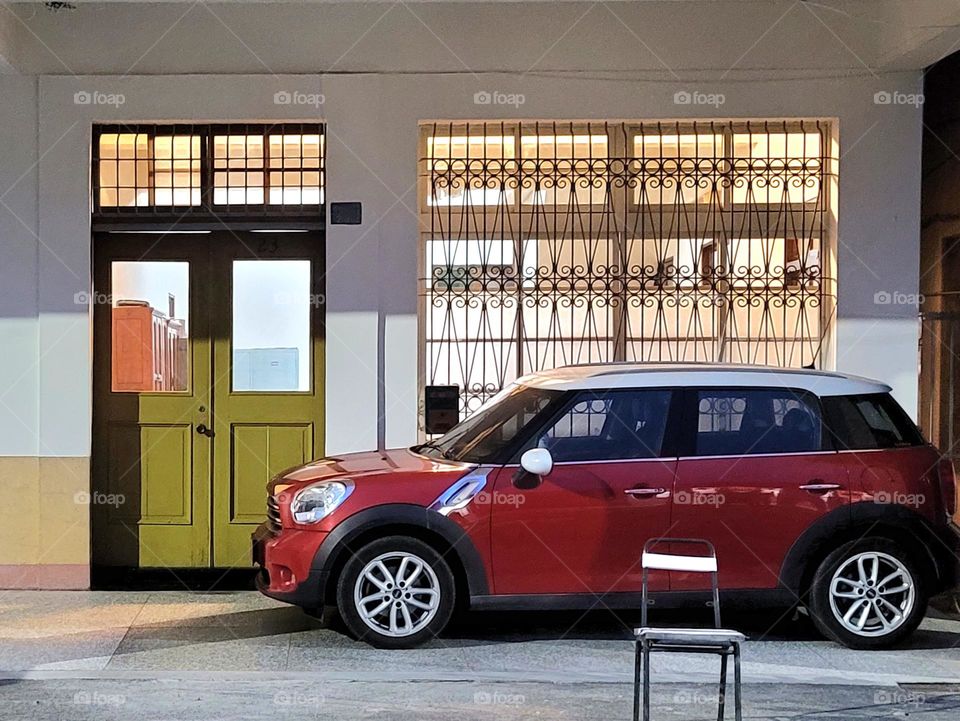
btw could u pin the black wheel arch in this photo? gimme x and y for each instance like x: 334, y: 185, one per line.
x: 446, y: 537
x: 859, y: 520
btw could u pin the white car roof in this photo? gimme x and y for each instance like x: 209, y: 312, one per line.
x: 658, y: 375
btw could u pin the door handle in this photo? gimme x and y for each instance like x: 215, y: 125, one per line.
x: 204, y: 431
x: 645, y: 491
x: 818, y: 487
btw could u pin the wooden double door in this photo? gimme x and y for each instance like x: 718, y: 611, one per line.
x: 208, y: 380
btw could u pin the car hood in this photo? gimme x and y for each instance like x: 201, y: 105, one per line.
x: 386, y: 464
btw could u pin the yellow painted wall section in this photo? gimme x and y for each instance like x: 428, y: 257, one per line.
x: 45, y: 532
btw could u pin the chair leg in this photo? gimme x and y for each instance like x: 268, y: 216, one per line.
x: 736, y: 680
x: 646, y: 682
x: 723, y: 686
x: 636, y: 681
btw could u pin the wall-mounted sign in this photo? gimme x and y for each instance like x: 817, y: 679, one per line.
x: 346, y: 213
x: 441, y: 408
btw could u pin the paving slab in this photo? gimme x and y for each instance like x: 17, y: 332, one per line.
x: 251, y: 700
x: 182, y: 638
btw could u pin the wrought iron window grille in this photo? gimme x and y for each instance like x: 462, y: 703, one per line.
x: 549, y: 243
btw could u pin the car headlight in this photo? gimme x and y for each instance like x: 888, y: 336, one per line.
x: 316, y: 502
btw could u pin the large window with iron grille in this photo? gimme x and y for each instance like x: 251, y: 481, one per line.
x: 551, y: 243
x: 233, y: 171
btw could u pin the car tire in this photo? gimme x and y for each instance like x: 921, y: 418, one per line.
x: 868, y: 594
x: 396, y: 592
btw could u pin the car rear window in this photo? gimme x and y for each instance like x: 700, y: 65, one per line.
x: 871, y: 421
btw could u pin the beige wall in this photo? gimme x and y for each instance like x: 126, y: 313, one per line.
x: 44, y: 534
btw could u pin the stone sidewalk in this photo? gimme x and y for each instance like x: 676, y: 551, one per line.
x: 237, y: 655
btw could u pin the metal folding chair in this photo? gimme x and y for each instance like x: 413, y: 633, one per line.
x: 716, y: 640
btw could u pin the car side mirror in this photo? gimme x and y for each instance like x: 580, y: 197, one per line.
x: 534, y: 465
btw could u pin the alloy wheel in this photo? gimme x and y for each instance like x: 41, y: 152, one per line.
x: 397, y: 594
x: 872, y: 594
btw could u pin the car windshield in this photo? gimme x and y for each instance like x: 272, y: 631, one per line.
x: 484, y: 436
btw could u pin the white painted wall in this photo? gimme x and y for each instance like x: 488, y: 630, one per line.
x: 45, y: 348
x: 19, y: 246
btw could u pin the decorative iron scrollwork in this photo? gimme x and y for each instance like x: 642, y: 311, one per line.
x: 552, y: 243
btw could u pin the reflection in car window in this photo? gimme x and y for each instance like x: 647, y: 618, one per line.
x: 743, y: 422
x: 609, y: 425
x: 488, y: 433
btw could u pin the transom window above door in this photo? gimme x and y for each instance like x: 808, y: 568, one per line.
x: 219, y: 170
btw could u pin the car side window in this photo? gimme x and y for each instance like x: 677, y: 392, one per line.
x: 870, y: 421
x: 609, y: 425
x: 735, y: 422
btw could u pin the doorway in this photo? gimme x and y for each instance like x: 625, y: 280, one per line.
x: 208, y: 380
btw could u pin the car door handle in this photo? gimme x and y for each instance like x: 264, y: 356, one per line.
x: 645, y: 491
x: 817, y: 487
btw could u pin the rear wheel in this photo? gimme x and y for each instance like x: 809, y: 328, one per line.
x: 396, y: 592
x: 868, y: 594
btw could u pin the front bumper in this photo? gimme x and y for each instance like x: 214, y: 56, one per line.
x: 285, y: 561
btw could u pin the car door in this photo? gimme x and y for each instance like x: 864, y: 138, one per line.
x: 758, y: 474
x: 582, y: 529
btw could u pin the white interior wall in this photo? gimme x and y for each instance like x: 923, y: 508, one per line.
x: 372, y: 268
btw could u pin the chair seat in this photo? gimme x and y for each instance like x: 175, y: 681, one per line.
x: 690, y: 636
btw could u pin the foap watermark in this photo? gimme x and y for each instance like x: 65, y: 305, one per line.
x: 699, y: 498
x: 899, y: 697
x: 693, y: 698
x: 496, y: 97
x: 898, y: 498
x: 297, y: 699
x: 98, y: 97
x: 886, y: 97
x: 696, y: 97
x: 498, y: 698
x: 98, y: 498
x: 316, y: 300
x: 886, y: 297
x: 499, y: 498
x: 88, y: 297
x: 298, y: 97
x: 95, y: 698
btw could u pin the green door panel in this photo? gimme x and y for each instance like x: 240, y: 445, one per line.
x: 166, y: 474
x: 260, y: 433
x: 145, y: 447
x: 259, y: 452
x: 151, y: 470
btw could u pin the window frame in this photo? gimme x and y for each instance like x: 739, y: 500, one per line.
x: 691, y: 415
x: 206, y: 214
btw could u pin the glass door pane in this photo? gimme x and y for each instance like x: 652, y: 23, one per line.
x: 150, y: 311
x: 271, y: 325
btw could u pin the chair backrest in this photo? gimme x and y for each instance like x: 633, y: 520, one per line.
x: 669, y: 561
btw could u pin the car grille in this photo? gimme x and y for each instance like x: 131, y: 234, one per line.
x: 273, y: 513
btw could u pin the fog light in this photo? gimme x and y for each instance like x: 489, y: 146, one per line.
x: 284, y: 576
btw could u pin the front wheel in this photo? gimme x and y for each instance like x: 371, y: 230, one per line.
x: 396, y: 592
x: 868, y: 594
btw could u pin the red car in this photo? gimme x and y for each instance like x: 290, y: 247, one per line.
x: 815, y: 488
